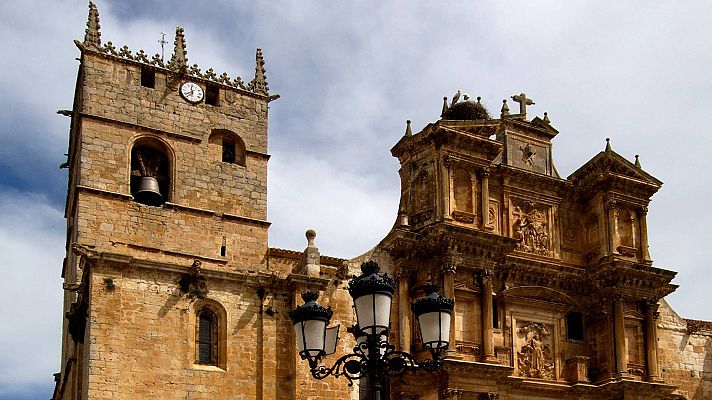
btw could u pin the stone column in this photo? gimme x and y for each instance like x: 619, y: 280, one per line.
x: 448, y: 271
x: 621, y: 353
x: 642, y: 217
x: 485, y: 198
x: 403, y: 312
x: 612, y: 227
x: 487, y: 334
x: 651, y: 340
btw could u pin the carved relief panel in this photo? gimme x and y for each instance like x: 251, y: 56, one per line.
x: 571, y: 230
x: 528, y: 154
x: 534, y: 347
x: 532, y: 228
x: 463, y: 184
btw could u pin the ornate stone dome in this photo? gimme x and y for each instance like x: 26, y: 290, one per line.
x: 466, y: 111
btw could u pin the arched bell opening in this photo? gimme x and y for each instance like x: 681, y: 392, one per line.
x: 150, y: 172
x: 227, y: 147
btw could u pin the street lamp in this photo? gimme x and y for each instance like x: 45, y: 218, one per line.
x: 373, y: 356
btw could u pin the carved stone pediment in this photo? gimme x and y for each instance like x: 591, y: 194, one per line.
x: 609, y: 168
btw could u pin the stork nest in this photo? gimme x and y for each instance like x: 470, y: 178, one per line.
x: 466, y: 111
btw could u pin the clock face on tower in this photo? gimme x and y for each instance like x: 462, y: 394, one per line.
x: 192, y: 92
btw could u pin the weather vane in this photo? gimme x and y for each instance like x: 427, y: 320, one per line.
x: 162, y: 41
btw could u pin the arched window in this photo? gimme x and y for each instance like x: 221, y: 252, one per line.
x: 227, y: 147
x: 150, y: 172
x: 206, y: 337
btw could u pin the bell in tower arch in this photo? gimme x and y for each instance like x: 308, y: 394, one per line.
x: 149, y: 174
x: 149, y: 192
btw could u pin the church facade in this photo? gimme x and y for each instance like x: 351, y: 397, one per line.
x: 172, y: 291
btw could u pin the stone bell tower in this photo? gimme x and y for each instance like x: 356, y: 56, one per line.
x: 166, y: 202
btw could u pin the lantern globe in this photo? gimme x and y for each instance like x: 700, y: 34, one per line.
x: 372, y: 294
x: 434, y: 313
x: 310, y: 321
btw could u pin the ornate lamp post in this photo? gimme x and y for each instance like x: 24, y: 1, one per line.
x: 373, y: 356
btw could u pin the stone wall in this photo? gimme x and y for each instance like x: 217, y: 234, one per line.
x: 685, y: 355
x: 141, y: 337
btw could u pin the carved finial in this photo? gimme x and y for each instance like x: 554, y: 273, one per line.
x: 637, y: 161
x: 311, y: 235
x: 523, y: 101
x: 505, y: 108
x: 259, y: 84
x: 179, y: 60
x: 546, y: 117
x: 608, y: 144
x: 408, y: 131
x: 92, y: 36
x: 444, y: 112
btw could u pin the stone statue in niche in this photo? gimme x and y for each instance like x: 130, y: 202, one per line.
x: 531, y: 231
x: 534, y: 357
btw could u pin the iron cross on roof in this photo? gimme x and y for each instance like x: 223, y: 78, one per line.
x: 523, y: 101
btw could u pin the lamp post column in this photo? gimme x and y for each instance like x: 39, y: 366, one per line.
x: 374, y: 377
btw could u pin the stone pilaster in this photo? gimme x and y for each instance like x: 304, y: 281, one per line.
x: 651, y: 341
x: 621, y: 353
x: 487, y: 328
x: 446, y: 181
x: 448, y: 271
x: 612, y: 227
x: 642, y: 217
x: 485, y: 198
x: 404, y: 313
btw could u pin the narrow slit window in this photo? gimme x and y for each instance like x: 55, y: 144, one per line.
x: 212, y: 94
x: 148, y: 77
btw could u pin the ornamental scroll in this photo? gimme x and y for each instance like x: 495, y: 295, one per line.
x: 534, y: 358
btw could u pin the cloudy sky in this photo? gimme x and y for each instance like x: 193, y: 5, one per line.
x: 350, y: 74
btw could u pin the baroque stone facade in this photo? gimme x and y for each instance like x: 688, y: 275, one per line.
x: 172, y: 292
